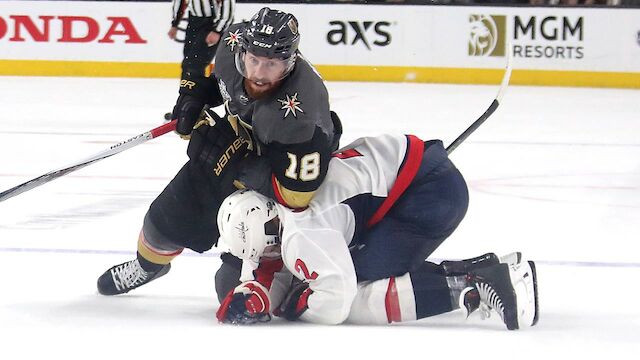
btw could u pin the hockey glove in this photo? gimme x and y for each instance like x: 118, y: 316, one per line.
x: 247, y: 304
x: 216, y: 146
x: 187, y: 111
x: 195, y: 93
x: 295, y: 304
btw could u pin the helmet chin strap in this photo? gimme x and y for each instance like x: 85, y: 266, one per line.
x: 275, y: 254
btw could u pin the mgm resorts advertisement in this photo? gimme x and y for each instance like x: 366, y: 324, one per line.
x: 578, y: 39
x: 551, y: 37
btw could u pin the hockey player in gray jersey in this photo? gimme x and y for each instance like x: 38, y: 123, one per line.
x: 276, y: 137
x: 358, y: 251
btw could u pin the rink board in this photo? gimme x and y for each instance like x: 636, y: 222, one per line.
x: 446, y: 44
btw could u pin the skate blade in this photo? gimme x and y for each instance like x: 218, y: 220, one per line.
x: 535, y: 292
x: 526, y: 290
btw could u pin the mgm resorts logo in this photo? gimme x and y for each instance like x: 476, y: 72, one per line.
x: 487, y: 36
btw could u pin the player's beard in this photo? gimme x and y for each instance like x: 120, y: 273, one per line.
x: 258, y: 92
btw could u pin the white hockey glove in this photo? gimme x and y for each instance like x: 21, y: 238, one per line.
x: 248, y: 303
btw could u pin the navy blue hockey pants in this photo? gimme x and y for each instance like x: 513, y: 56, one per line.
x: 424, y: 216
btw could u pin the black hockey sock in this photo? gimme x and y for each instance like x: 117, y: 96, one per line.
x: 147, y: 265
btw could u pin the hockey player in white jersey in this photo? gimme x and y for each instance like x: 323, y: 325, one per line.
x: 358, y: 251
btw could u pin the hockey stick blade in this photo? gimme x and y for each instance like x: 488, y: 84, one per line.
x: 114, y: 149
x: 492, y: 108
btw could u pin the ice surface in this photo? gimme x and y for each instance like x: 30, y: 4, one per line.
x: 554, y: 173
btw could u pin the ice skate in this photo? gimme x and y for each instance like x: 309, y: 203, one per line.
x: 463, y: 267
x: 508, y: 289
x: 127, y: 276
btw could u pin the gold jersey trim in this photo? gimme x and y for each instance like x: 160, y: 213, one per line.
x: 291, y: 198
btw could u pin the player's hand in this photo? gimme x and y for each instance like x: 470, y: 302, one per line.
x: 212, y: 38
x: 295, y: 304
x: 217, y: 147
x: 173, y: 32
x: 187, y: 111
x: 248, y: 303
x: 195, y: 92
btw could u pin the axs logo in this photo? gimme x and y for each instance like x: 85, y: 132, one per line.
x: 353, y: 32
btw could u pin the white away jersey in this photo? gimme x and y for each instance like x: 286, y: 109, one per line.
x: 363, y: 181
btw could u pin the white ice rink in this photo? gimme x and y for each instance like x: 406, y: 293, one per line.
x: 554, y: 173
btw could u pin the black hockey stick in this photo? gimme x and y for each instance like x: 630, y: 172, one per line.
x: 492, y: 108
x: 114, y: 149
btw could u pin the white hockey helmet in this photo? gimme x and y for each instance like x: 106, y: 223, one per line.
x: 246, y: 224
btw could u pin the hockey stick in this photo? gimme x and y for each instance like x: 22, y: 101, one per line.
x: 114, y: 149
x: 492, y: 108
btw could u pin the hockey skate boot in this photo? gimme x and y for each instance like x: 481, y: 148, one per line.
x: 463, y: 267
x: 127, y: 276
x: 508, y: 289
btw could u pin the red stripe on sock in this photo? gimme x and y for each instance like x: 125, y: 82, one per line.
x: 392, y: 302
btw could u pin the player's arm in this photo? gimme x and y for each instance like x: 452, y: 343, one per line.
x: 297, y: 170
x: 250, y: 302
x: 321, y: 259
x: 290, y: 174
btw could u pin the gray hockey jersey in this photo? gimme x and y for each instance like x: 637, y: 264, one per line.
x: 291, y: 128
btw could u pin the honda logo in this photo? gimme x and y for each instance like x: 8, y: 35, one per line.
x: 69, y: 29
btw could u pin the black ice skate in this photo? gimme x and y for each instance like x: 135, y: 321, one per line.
x: 463, y: 267
x: 127, y: 276
x: 508, y: 289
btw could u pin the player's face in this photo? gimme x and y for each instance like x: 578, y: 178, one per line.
x: 263, y: 74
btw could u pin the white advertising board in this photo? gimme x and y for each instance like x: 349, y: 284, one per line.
x: 87, y: 31
x: 592, y: 39
x: 343, y: 37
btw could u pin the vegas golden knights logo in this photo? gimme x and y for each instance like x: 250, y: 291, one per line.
x: 487, y: 35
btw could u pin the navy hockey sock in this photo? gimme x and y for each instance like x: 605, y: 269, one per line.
x: 431, y: 290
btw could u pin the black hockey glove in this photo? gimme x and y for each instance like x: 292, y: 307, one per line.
x: 187, y: 111
x: 196, y: 93
x: 247, y: 304
x: 216, y: 146
x: 295, y: 304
